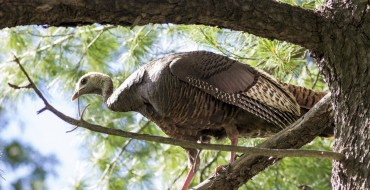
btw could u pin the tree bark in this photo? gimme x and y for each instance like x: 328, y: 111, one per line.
x: 265, y: 18
x: 345, y: 63
x: 338, y: 35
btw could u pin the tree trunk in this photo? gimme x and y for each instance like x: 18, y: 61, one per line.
x: 345, y: 63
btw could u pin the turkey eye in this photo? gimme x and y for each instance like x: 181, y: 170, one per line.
x: 83, y: 81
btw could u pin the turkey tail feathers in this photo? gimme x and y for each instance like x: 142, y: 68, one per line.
x: 306, y: 98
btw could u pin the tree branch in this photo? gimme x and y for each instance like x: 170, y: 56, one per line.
x: 298, y: 134
x: 265, y: 18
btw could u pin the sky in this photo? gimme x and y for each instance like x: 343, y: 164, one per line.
x: 41, y: 131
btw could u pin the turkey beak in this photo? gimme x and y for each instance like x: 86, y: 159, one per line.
x: 75, y: 95
x: 78, y: 92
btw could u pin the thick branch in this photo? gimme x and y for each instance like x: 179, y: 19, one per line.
x: 265, y: 18
x: 298, y: 134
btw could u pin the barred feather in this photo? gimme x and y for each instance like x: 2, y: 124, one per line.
x: 272, y: 93
x: 248, y: 103
x: 306, y: 98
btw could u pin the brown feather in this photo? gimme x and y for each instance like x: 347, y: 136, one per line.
x: 237, y: 84
x: 306, y: 98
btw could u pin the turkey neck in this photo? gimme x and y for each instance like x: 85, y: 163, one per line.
x: 107, y: 89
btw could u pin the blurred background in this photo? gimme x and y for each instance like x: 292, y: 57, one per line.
x: 36, y: 152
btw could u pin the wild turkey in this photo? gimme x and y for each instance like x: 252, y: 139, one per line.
x: 197, y: 95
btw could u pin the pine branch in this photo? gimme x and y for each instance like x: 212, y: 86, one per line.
x: 62, y: 39
x: 105, y: 28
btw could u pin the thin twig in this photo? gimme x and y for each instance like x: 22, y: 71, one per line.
x: 112, y: 164
x: 214, y: 159
x: 72, y: 129
x: 83, y: 111
x: 223, y: 50
x: 316, y: 80
x: 277, y: 153
x: 46, y: 36
x: 177, y: 177
x: 41, y: 110
x: 80, y: 115
x: 32, y: 84
x: 20, y: 87
x: 1, y: 175
x: 136, y: 22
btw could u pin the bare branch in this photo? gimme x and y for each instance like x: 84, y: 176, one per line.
x: 41, y: 110
x: 83, y: 112
x: 19, y: 87
x: 81, y: 115
x: 72, y: 129
x: 32, y: 84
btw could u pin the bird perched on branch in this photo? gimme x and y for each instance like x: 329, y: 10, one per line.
x: 198, y: 95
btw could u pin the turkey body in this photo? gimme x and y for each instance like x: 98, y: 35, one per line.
x: 181, y: 110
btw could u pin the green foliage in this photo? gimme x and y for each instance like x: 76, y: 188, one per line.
x: 17, y: 157
x: 57, y: 57
x: 307, y: 4
x: 293, y: 172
